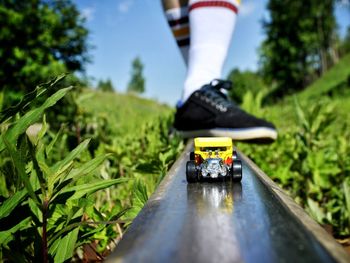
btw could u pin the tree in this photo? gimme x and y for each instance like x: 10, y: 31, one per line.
x: 137, y: 82
x: 105, y: 86
x: 39, y: 39
x: 244, y: 81
x: 299, y: 40
x: 345, y: 43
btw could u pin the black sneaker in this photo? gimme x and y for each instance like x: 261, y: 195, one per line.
x: 209, y: 112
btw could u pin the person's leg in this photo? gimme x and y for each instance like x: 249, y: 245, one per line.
x: 176, y: 12
x: 211, y: 25
x: 205, y: 109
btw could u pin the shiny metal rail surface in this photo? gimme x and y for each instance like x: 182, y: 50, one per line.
x: 217, y: 222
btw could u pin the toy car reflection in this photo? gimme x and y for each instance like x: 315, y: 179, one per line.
x: 213, y: 157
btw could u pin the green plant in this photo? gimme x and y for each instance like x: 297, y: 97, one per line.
x: 243, y: 82
x: 252, y: 103
x: 93, y: 127
x: 47, y: 194
x: 310, y: 160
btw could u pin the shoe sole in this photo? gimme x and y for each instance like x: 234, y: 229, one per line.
x: 258, y: 134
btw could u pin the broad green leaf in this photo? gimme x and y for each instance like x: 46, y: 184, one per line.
x: 36, y: 154
x: 29, y: 98
x: 97, y: 215
x: 139, y: 198
x: 44, y: 168
x: 57, y: 221
x: 60, y: 174
x: 315, y: 210
x: 118, y: 214
x: 63, y: 231
x: 35, y: 181
x: 78, y: 191
x: 73, y: 221
x: 48, y: 148
x: 54, y: 246
x: 140, y: 194
x: 300, y: 114
x: 85, y: 169
x: 31, y: 117
x: 61, y: 167
x: 43, y: 129
x: 101, y: 225
x: 11, y: 203
x: 36, y: 211
x: 20, y: 167
x: 71, y: 156
x: 6, y: 236
x: 66, y: 246
x: 98, y: 229
x: 88, y: 167
x: 22, y: 147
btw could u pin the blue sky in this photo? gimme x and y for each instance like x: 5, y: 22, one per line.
x: 124, y: 29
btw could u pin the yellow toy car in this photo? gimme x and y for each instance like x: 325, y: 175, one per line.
x: 213, y: 157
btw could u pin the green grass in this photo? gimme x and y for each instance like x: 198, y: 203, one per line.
x: 310, y: 158
x: 332, y: 79
x: 125, y: 112
x: 332, y: 86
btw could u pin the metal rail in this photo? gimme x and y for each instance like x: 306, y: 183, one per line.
x: 253, y: 221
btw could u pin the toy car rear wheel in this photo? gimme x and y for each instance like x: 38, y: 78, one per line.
x: 237, y: 170
x: 234, y: 155
x: 191, y: 172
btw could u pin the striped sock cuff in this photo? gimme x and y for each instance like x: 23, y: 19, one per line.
x: 229, y: 4
x: 176, y: 13
x: 179, y: 23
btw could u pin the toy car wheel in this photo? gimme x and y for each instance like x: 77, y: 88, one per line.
x: 237, y: 171
x: 234, y: 155
x: 192, y: 156
x: 191, y: 172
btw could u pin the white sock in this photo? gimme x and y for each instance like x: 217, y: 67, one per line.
x: 178, y: 21
x: 211, y: 28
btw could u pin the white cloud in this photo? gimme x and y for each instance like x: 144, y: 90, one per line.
x: 247, y: 8
x: 125, y: 6
x: 345, y: 2
x: 88, y: 13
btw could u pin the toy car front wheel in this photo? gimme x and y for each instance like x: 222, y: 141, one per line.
x: 192, y: 156
x: 191, y: 172
x: 237, y: 171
